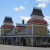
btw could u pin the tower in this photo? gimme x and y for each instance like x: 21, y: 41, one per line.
x: 36, y: 25
x: 39, y: 24
x: 8, y: 21
x: 7, y: 25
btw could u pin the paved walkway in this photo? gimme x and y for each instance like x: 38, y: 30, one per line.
x: 8, y: 47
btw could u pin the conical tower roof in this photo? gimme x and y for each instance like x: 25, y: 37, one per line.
x: 8, y: 19
x: 37, y: 11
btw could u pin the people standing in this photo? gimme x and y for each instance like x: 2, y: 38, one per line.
x: 16, y: 41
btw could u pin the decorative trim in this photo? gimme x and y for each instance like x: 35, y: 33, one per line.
x: 28, y: 36
x: 37, y: 25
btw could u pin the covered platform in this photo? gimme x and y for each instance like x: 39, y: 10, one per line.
x: 24, y: 40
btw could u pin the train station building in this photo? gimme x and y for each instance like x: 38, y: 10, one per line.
x: 32, y: 33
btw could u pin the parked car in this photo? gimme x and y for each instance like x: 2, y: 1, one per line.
x: 41, y: 44
x: 44, y: 44
x: 48, y: 44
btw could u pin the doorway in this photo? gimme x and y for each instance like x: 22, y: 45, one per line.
x: 23, y: 41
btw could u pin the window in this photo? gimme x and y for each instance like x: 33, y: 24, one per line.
x: 30, y: 31
x: 40, y: 31
x: 29, y: 41
x: 43, y: 31
x: 16, y: 30
x: 48, y: 32
x: 36, y: 31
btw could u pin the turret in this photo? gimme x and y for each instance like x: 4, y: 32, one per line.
x: 37, y: 13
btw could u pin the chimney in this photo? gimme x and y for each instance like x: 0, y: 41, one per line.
x: 22, y: 21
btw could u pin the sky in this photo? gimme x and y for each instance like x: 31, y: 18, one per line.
x: 21, y: 9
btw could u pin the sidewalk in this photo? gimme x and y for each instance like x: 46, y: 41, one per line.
x: 10, y: 47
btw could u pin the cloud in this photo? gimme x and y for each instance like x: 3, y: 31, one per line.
x: 43, y: 0
x: 25, y: 18
x: 21, y: 7
x: 48, y: 27
x: 16, y: 9
x: 41, y: 5
x: 47, y: 18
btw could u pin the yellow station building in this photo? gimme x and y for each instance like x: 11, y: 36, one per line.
x: 30, y: 34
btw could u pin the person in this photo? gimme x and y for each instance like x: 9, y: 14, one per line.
x: 10, y: 42
x: 45, y: 44
x: 16, y: 41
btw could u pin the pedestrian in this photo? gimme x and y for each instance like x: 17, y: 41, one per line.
x: 16, y: 41
x: 45, y: 44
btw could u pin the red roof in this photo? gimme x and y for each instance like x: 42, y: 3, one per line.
x: 37, y: 21
x: 19, y: 28
x: 7, y: 26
